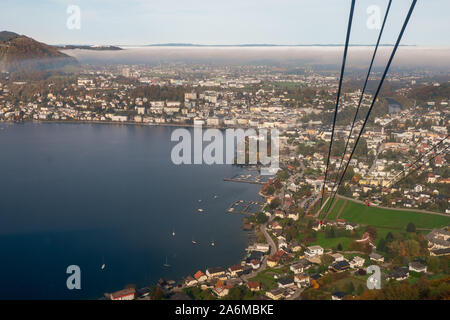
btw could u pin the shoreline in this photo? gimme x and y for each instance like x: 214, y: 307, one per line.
x: 127, y: 123
x: 248, y: 235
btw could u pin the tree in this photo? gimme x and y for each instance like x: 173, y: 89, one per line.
x: 260, y: 237
x: 275, y: 203
x: 424, y: 289
x: 261, y: 218
x: 358, y: 246
x: 282, y: 175
x: 158, y: 294
x: 360, y: 290
x: 389, y: 237
x: 350, y: 287
x: 330, y: 232
x: 270, y: 190
x: 339, y: 247
x: 397, y: 248
x: 433, y: 264
x: 326, y: 260
x: 381, y: 245
x: 411, y: 227
x: 412, y: 247
x: 239, y: 293
x: 372, y: 231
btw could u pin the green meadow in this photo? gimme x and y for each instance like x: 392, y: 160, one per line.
x: 390, y: 219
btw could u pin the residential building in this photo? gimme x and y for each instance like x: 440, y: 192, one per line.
x: 313, y: 251
x: 125, y: 294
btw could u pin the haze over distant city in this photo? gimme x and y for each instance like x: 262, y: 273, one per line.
x: 139, y: 22
x: 359, y: 57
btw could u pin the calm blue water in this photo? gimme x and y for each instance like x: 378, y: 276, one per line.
x: 82, y: 194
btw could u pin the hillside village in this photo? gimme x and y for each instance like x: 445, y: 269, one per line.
x: 300, y: 106
x: 302, y: 250
x: 300, y: 268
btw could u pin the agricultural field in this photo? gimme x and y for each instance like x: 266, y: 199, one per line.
x: 336, y: 208
x: 391, y: 219
x: 385, y: 221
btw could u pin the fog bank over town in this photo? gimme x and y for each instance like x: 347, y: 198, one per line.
x: 358, y: 56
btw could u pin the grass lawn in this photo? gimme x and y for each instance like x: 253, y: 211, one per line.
x: 266, y: 277
x: 317, y: 207
x: 390, y: 219
x: 414, y: 277
x: 382, y: 232
x: 336, y: 208
x: 337, y: 204
x: 437, y: 276
x: 331, y: 243
x: 342, y: 284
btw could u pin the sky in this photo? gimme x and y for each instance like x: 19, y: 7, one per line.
x: 288, y: 22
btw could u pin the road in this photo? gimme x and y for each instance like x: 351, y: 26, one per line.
x: 323, y: 205
x: 273, y: 246
x: 273, y: 249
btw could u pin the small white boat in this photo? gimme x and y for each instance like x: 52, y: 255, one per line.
x: 194, y: 242
x: 103, y: 267
x: 200, y: 210
x: 212, y: 243
x: 173, y: 233
x: 166, y: 265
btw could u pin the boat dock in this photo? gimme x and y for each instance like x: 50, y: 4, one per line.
x: 246, y: 207
x: 253, y: 178
x: 242, y: 180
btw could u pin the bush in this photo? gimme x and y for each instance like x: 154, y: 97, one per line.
x: 411, y: 227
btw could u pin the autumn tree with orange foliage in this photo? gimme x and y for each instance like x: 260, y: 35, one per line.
x: 424, y: 289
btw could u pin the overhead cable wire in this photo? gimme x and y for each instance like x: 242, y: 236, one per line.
x: 344, y: 58
x: 391, y: 58
x: 390, y: 183
x: 362, y: 95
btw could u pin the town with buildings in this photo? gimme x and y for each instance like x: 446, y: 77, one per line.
x: 307, y: 246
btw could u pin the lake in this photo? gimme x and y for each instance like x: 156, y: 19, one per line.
x: 87, y: 194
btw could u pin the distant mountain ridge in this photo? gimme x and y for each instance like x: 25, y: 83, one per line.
x: 265, y: 45
x: 21, y: 53
x: 88, y: 47
x: 7, y: 35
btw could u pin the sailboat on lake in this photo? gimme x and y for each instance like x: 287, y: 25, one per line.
x: 166, y: 265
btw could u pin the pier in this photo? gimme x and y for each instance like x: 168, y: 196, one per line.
x: 249, y: 178
x: 243, y: 181
x: 245, y: 207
